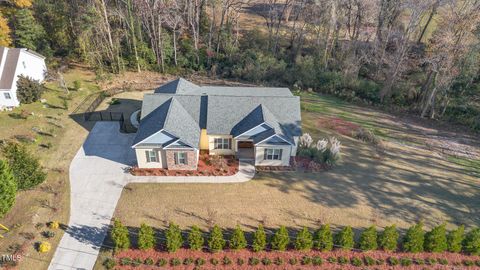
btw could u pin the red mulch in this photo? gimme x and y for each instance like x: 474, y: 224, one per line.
x: 454, y: 260
x: 337, y: 124
x: 308, y: 165
x: 207, y: 166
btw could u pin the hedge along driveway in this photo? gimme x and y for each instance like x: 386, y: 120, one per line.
x: 97, y: 178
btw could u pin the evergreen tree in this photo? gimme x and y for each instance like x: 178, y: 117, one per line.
x: 25, y: 168
x: 436, y: 239
x: 195, y: 239
x: 173, y: 236
x: 216, y: 242
x: 120, y: 236
x: 303, y: 240
x: 238, y: 241
x: 28, y: 90
x: 344, y: 238
x: 368, y: 239
x: 8, y: 188
x: 28, y: 32
x: 146, y: 237
x: 471, y: 243
x: 388, y: 239
x: 414, y: 238
x: 455, y: 239
x: 280, y: 239
x: 259, y: 239
x: 323, y: 238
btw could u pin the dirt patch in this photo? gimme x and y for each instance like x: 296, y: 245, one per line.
x: 339, y: 125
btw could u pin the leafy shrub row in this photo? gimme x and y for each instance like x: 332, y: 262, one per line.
x: 415, y: 239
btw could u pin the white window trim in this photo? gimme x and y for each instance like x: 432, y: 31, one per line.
x: 275, y: 154
x: 177, y: 158
x: 224, y: 144
x: 7, y: 95
x: 152, y: 156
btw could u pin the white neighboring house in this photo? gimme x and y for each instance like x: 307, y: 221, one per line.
x: 13, y: 63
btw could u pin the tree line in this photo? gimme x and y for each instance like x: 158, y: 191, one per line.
x: 420, y: 56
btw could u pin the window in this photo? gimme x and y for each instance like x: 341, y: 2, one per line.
x: 222, y: 143
x: 24, y: 65
x: 152, y: 156
x: 273, y: 154
x: 180, y: 158
x: 7, y: 95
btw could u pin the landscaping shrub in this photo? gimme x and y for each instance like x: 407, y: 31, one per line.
x: 146, y: 237
x: 468, y: 262
x: 356, y: 261
x: 259, y: 239
x: 77, y: 85
x: 368, y: 239
x: 8, y: 188
x: 253, y: 261
x: 393, y: 261
x: 306, y: 260
x: 173, y: 237
x: 280, y: 239
x: 195, y: 238
x: 388, y: 239
x: 414, y: 239
x: 199, y: 262
x: 293, y: 261
x: 136, y: 262
x: 431, y: 261
x: 342, y: 260
x: 419, y: 261
x: 120, y: 236
x: 323, y: 238
x: 216, y: 241
x: 380, y: 261
x: 125, y: 261
x: 278, y: 261
x: 226, y: 260
x: 405, y: 261
x: 28, y: 89
x: 436, y: 239
x: 109, y: 263
x: 149, y: 261
x: 175, y: 262
x: 369, y: 261
x: 344, y: 238
x: 25, y: 168
x: 366, y: 136
x: 316, y: 260
x: 266, y: 261
x: 161, y: 262
x: 442, y: 261
x: 48, y: 234
x: 455, y: 239
x: 477, y: 262
x: 471, y: 243
x: 238, y: 241
x: 303, y: 240
x: 187, y: 261
x: 240, y: 261
x: 331, y: 259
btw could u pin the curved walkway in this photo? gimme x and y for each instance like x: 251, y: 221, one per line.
x: 97, y: 178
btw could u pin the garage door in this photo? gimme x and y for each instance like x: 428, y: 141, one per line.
x: 245, y: 144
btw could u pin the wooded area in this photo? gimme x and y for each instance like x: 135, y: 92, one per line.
x: 417, y: 56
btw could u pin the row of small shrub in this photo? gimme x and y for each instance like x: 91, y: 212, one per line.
x: 278, y: 261
x: 415, y: 239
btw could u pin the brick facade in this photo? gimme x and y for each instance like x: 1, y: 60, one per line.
x: 191, y: 160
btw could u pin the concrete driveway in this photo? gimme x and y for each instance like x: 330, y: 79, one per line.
x: 97, y: 178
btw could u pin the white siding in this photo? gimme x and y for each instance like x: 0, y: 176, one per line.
x: 259, y: 155
x: 142, y: 158
x: 213, y: 151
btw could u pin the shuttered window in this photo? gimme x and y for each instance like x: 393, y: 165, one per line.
x: 151, y: 156
x: 272, y: 154
x: 180, y: 158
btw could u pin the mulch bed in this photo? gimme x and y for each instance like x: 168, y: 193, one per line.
x: 455, y: 261
x: 339, y: 125
x: 207, y: 166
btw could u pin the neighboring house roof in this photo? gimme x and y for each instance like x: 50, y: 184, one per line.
x: 9, y: 67
x: 182, y: 108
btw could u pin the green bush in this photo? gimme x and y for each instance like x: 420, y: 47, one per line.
x: 436, y: 239
x: 414, y: 239
x: 356, y: 261
x: 8, y: 188
x: 26, y: 169
x: 280, y: 239
x: 238, y: 241
x: 306, y: 260
x: 344, y: 238
x: 136, y: 262
x: 214, y: 261
x: 173, y: 238
x: 253, y: 261
x: 477, y: 262
x: 195, y: 239
x: 216, y: 241
x: 393, y: 261
x: 278, y: 261
x: 405, y: 261
x: 148, y: 261
x: 28, y: 89
x: 323, y: 238
x: 226, y: 260
x: 175, y: 262
x: 369, y: 261
x: 303, y: 240
x: 380, y: 261
x: 331, y: 259
x: 266, y: 261
x: 455, y: 239
x: 146, y: 237
x: 125, y: 261
x: 199, y: 261
x: 120, y: 236
x: 187, y: 261
x: 419, y: 261
x: 388, y: 239
x: 316, y: 260
x: 240, y: 261
x: 368, y: 239
x: 292, y: 261
x: 442, y: 261
x: 259, y: 239
x: 431, y: 261
x: 342, y: 260
x: 109, y: 263
x: 161, y: 262
x: 77, y: 85
x: 471, y: 243
x: 468, y: 263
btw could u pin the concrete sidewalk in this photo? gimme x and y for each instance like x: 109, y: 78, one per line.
x: 97, y: 178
